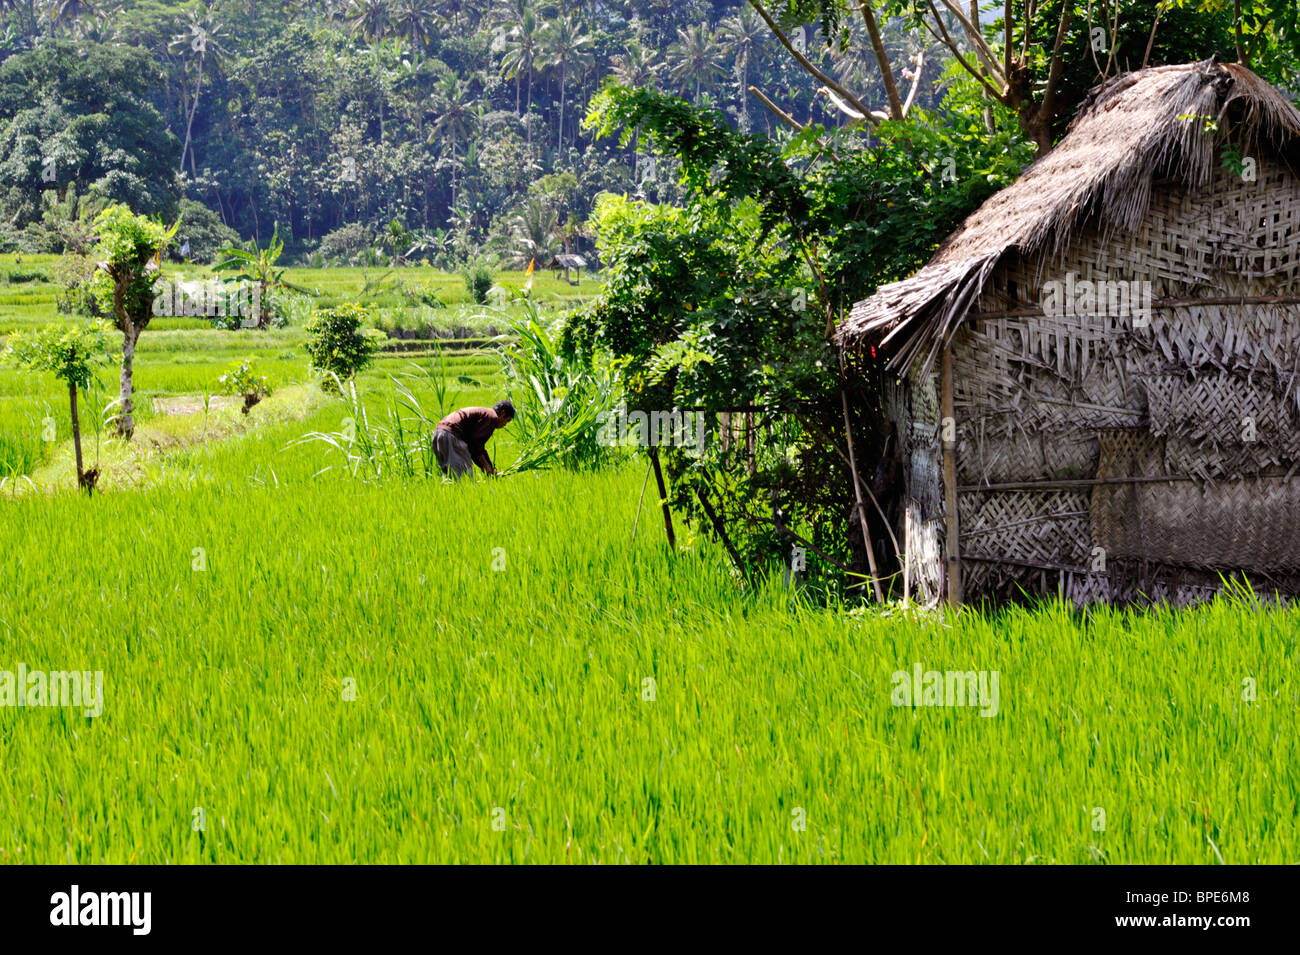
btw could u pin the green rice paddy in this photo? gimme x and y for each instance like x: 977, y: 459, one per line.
x: 300, y: 667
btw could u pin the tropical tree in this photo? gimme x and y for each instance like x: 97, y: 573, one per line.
x: 130, y: 246
x: 567, y: 48
x: 66, y: 13
x: 416, y: 22
x: 519, y: 46
x: 371, y: 19
x: 695, y: 59
x: 100, y: 26
x: 200, y: 43
x: 741, y: 36
x: 534, y: 234
x: 637, y: 68
x: 455, y: 113
x: 257, y: 265
x: 457, y: 15
x: 71, y: 353
x: 456, y: 117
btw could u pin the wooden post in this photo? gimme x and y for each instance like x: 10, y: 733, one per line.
x: 951, y: 542
x: 663, y: 498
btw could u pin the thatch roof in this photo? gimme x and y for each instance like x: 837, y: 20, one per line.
x: 1132, y: 130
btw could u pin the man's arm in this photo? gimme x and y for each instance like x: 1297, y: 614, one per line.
x: 480, y: 457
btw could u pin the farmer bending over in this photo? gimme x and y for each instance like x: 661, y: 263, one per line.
x: 460, y: 440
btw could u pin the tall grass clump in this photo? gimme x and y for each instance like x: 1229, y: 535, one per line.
x: 558, y: 399
x: 20, y: 452
x: 558, y: 403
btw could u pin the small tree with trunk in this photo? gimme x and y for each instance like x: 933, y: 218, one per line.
x: 124, y: 286
x: 71, y: 354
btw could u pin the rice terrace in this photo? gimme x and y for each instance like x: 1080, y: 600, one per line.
x: 717, y: 431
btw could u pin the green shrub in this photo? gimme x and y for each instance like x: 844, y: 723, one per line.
x: 479, y: 280
x: 204, y: 231
x: 73, y: 274
x: 346, y: 244
x: 240, y: 379
x: 337, y: 344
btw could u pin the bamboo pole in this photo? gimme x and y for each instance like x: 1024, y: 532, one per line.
x: 907, y: 563
x: 646, y: 481
x: 1067, y: 483
x: 861, y: 508
x: 951, y: 543
x: 1160, y: 303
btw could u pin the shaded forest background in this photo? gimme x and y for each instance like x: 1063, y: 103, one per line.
x: 440, y: 129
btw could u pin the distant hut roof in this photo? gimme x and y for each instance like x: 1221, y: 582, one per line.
x: 1132, y: 129
x: 571, y: 261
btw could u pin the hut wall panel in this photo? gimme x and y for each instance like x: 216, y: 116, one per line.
x: 1215, y: 383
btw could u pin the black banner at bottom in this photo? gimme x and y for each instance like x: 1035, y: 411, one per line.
x: 961, y: 904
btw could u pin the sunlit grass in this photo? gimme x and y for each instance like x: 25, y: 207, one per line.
x: 501, y: 637
x: 524, y: 690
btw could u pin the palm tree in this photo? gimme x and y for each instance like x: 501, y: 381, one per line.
x: 636, y: 68
x: 519, y: 46
x: 508, y: 13
x: 455, y: 15
x: 566, y: 47
x: 695, y: 59
x: 371, y: 19
x: 415, y: 21
x: 456, y: 117
x: 202, y: 36
x: 533, y: 234
x: 741, y: 36
x: 67, y: 12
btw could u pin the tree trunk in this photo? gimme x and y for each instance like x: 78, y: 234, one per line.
x: 76, y: 433
x: 189, y: 122
x: 126, y: 414
x: 560, y: 143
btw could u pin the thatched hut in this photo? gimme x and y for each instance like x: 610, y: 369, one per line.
x: 1098, y: 370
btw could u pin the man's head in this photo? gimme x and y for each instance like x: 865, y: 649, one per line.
x: 505, y: 411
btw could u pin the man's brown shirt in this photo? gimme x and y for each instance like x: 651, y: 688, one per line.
x: 474, y: 426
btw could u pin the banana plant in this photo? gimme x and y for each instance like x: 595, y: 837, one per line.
x: 257, y: 266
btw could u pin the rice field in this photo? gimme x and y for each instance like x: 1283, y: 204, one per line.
x: 301, y: 668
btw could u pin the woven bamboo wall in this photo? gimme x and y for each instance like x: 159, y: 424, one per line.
x: 1205, y: 393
